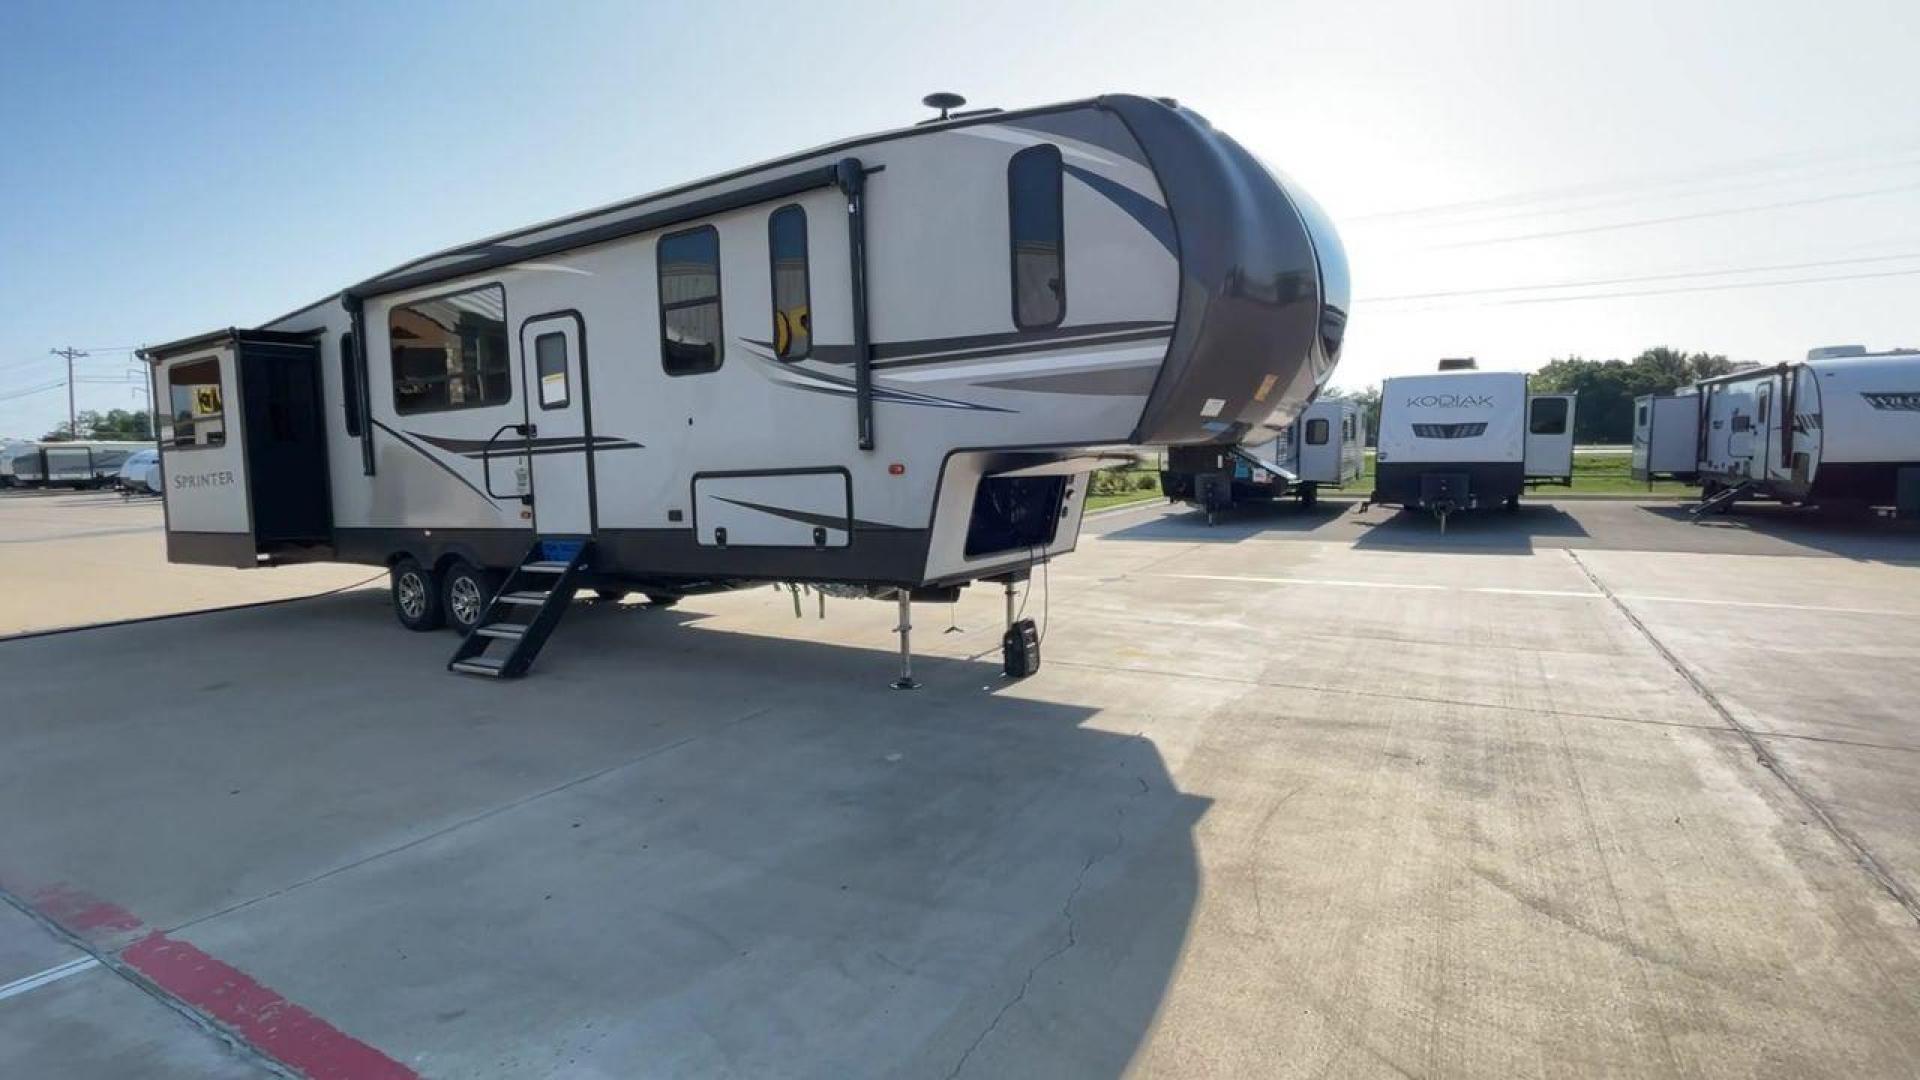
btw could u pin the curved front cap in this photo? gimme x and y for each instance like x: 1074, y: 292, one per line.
x: 1259, y: 323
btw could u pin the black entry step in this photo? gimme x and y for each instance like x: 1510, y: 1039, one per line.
x: 558, y: 564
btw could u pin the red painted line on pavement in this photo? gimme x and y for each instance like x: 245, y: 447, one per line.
x: 85, y: 916
x: 278, y: 1028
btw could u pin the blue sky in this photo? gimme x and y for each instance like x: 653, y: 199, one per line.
x: 170, y: 168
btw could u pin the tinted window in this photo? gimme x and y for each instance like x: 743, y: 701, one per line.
x: 450, y: 352
x: 690, y: 340
x: 350, y: 385
x: 1036, y: 224
x: 550, y: 366
x: 1317, y: 431
x: 1548, y: 416
x: 792, y: 315
x: 196, y: 405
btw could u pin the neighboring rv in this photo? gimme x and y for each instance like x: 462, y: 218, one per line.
x: 885, y: 366
x: 1842, y: 426
x: 1320, y: 448
x: 9, y: 448
x: 74, y: 464
x: 1465, y: 439
x: 132, y: 478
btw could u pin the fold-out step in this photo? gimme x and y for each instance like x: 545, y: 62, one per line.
x: 558, y: 564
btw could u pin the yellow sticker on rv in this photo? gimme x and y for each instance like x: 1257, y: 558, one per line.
x: 206, y: 400
x: 1266, y: 387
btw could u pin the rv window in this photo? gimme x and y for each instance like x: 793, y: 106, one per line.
x: 689, y: 263
x: 1317, y: 431
x: 450, y: 352
x: 350, y: 385
x: 787, y: 251
x: 1640, y: 417
x: 550, y: 364
x: 1036, y: 223
x: 196, y: 413
x: 1548, y: 416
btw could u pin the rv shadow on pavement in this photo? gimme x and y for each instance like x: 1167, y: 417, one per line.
x: 1187, y: 526
x: 1849, y: 534
x: 1493, y: 531
x: 729, y: 850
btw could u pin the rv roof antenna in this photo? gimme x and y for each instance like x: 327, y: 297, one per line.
x: 943, y: 101
x: 1459, y: 363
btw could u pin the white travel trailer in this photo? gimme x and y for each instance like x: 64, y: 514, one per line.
x: 1463, y: 439
x: 1322, y: 447
x: 9, y: 449
x: 1842, y: 426
x: 75, y: 464
x: 884, y: 366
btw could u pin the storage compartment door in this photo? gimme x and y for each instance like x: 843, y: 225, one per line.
x: 800, y: 508
x: 1550, y: 435
x: 209, y: 519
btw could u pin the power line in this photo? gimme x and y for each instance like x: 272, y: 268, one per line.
x: 1747, y: 167
x: 1672, y: 218
x: 1676, y: 276
x: 1729, y: 286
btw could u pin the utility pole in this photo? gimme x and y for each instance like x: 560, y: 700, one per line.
x: 73, y: 420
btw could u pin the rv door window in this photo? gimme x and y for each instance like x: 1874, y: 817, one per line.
x: 550, y: 365
x: 1036, y: 224
x: 350, y: 385
x: 787, y: 251
x: 450, y: 352
x: 1317, y: 431
x: 1548, y: 416
x: 196, y: 406
x: 689, y: 265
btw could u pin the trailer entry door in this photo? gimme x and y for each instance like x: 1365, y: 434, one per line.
x: 1550, y: 436
x: 553, y: 364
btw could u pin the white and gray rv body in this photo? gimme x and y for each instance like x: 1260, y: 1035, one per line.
x: 1828, y: 429
x: 888, y: 361
x: 1465, y: 439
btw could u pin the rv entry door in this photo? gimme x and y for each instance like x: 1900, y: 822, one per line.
x: 1549, y: 450
x: 553, y: 362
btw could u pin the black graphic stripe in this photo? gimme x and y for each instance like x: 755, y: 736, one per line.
x: 972, y: 346
x: 808, y: 517
x: 403, y: 440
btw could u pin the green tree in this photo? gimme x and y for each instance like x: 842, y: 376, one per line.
x: 1607, y: 387
x: 114, y: 424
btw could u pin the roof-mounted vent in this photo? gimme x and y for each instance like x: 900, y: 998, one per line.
x: 1459, y: 363
x: 1828, y: 352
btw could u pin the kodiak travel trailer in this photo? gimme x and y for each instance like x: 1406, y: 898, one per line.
x: 881, y: 368
x: 1464, y: 439
x: 1841, y: 427
x: 1321, y: 447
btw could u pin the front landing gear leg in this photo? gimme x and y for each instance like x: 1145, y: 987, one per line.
x: 905, y: 630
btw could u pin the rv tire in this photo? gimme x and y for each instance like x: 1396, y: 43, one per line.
x: 416, y: 597
x: 658, y: 599
x: 1309, y: 496
x: 466, y: 590
x: 611, y: 596
x: 1512, y: 504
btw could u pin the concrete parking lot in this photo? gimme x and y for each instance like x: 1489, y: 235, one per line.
x: 1586, y: 790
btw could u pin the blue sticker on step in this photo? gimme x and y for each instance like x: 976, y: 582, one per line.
x: 560, y: 550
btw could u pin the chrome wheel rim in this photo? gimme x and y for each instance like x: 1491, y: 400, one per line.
x: 464, y: 597
x: 411, y: 592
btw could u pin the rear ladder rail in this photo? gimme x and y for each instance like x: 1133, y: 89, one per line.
x: 542, y: 585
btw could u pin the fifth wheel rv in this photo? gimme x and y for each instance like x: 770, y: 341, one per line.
x: 880, y: 368
x: 1320, y: 448
x: 1464, y: 439
x: 1841, y: 427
